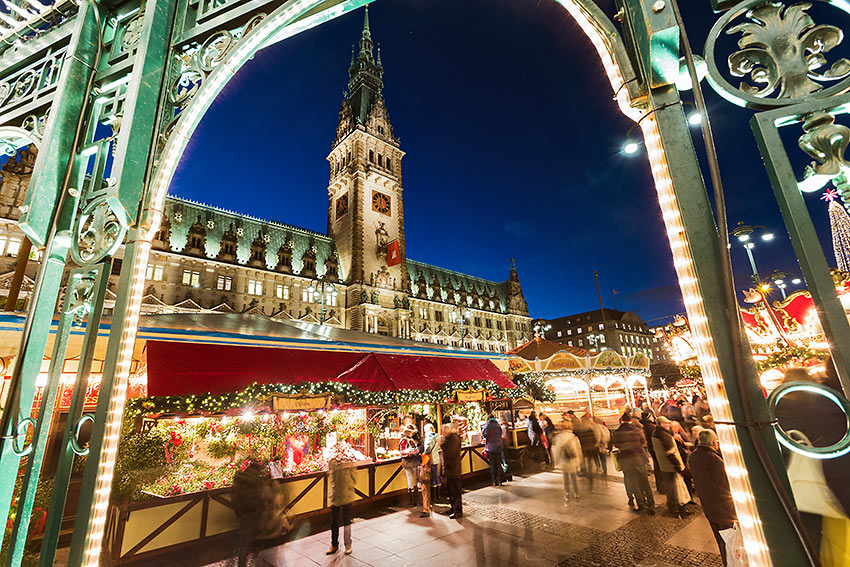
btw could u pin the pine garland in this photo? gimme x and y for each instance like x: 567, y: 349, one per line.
x: 530, y: 386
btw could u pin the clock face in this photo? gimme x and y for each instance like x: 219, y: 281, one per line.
x: 341, y: 205
x: 380, y: 202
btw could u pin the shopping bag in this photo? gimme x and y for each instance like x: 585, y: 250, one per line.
x: 808, y: 484
x: 615, y: 456
x: 682, y: 490
x: 736, y: 555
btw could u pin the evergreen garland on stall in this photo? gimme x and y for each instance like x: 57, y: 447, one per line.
x: 344, y: 393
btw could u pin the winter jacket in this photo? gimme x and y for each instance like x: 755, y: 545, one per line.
x: 567, y: 452
x: 340, y: 483
x: 604, y: 436
x: 432, y: 447
x: 712, y: 485
x: 534, y: 432
x: 629, y: 440
x: 588, y: 437
x: 666, y: 451
x: 492, y: 434
x: 411, y: 451
x: 451, y: 455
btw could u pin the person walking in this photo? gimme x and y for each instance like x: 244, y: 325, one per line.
x: 604, y: 435
x: 410, y: 447
x: 424, y: 483
x: 250, y: 499
x: 492, y: 434
x: 567, y: 454
x: 535, y: 433
x: 671, y: 465
x: 712, y: 485
x: 647, y: 422
x: 548, y: 436
x: 340, y: 496
x: 630, y: 442
x: 505, y: 444
x: 432, y: 449
x: 450, y: 446
x: 586, y: 433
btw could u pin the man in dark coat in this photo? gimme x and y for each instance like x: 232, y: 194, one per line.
x: 589, y: 446
x: 451, y: 467
x: 629, y: 440
x: 712, y: 485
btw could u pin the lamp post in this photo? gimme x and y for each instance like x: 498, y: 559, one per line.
x: 595, y: 339
x: 540, y: 327
x: 320, y: 288
x: 463, y: 314
x: 780, y: 279
x: 745, y: 234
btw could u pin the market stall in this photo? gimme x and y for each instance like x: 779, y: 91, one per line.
x: 211, y: 407
x: 603, y: 383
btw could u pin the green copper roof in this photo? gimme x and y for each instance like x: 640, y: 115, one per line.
x: 183, y: 213
x: 450, y: 282
x: 365, y: 82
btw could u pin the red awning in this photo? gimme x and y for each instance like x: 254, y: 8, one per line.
x: 178, y: 369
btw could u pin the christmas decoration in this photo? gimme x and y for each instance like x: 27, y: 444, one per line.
x: 839, y: 221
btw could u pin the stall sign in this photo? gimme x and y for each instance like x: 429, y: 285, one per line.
x: 300, y: 402
x: 563, y: 361
x: 464, y: 396
x: 685, y: 383
x: 517, y: 364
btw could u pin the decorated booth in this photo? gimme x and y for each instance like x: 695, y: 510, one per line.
x: 210, y: 408
x: 605, y: 382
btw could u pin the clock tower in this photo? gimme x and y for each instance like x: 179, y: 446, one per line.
x: 365, y: 210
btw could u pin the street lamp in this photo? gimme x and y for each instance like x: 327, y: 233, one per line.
x: 540, y: 327
x: 322, y: 289
x: 464, y: 315
x: 780, y: 279
x: 745, y: 234
x: 595, y: 340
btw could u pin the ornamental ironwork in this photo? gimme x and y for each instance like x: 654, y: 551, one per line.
x: 783, y: 56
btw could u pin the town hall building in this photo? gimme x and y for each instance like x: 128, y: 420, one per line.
x: 357, y: 276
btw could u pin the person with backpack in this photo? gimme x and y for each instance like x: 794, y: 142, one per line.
x: 568, y: 456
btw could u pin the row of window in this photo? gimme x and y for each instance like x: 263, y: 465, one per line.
x: 425, y: 313
x: 9, y: 246
x: 385, y: 162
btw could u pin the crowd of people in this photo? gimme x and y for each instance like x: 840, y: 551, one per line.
x: 672, y: 440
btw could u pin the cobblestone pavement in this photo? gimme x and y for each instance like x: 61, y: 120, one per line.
x: 523, y: 523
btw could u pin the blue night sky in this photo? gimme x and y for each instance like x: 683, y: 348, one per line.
x: 513, y: 151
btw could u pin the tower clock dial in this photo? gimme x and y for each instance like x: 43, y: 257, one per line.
x: 380, y: 202
x: 341, y: 205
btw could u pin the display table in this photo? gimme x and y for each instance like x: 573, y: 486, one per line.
x: 162, y: 530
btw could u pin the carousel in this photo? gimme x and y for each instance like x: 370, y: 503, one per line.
x: 603, y: 383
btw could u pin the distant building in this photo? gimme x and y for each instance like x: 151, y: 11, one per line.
x: 660, y: 348
x: 621, y: 331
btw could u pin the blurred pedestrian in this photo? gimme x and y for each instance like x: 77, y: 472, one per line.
x: 410, y: 446
x: 432, y: 449
x: 250, y: 498
x: 340, y: 496
x: 671, y: 465
x: 548, y: 435
x: 604, y: 435
x: 492, y: 434
x: 535, y: 434
x: 647, y: 422
x: 506, y: 467
x: 450, y: 447
x: 712, y: 485
x: 587, y: 436
x: 568, y: 455
x: 630, y: 442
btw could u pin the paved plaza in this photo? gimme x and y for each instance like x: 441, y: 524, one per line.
x: 524, y: 523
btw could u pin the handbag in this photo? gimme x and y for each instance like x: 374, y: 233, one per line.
x: 681, y: 489
x: 426, y: 460
x: 615, y: 456
x: 736, y: 555
x: 808, y: 484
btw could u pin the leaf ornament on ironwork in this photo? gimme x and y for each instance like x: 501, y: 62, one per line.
x: 826, y: 142
x: 782, y: 48
x: 99, y: 233
x: 81, y: 295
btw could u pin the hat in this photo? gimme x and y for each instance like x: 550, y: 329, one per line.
x: 409, y: 428
x: 626, y: 417
x: 662, y: 419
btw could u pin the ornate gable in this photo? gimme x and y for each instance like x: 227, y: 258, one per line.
x: 378, y: 122
x: 346, y: 122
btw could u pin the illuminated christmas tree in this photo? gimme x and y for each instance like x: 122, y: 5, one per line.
x: 839, y: 221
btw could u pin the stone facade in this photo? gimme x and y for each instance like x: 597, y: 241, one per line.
x: 209, y: 259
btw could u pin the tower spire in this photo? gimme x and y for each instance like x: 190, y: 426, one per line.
x: 365, y: 75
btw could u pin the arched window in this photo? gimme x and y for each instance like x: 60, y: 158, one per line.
x: 389, y: 164
x: 380, y: 160
x: 372, y: 156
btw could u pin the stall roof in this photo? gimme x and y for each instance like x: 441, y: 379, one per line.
x: 541, y: 349
x: 183, y: 368
x: 242, y: 329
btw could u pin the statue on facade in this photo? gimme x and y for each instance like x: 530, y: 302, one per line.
x: 375, y: 297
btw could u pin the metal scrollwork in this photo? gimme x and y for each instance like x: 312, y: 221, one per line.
x: 132, y: 33
x: 82, y: 289
x: 19, y: 445
x: 193, y: 65
x: 99, y: 233
x: 782, y: 56
x: 826, y: 142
